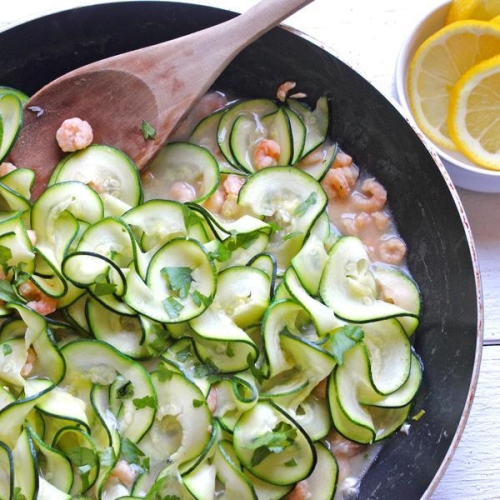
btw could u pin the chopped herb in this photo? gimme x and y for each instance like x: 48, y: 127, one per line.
x: 145, y: 402
x: 304, y: 206
x: 134, y: 455
x: 291, y: 463
x: 173, y: 307
x: 5, y: 256
x: 221, y: 254
x: 164, y: 373
x: 20, y: 276
x: 200, y: 299
x: 179, y: 279
x: 198, y: 402
x: 275, y: 441
x: 103, y: 286
x: 148, y: 132
x: 18, y: 494
x: 81, y: 456
x: 275, y: 227
x: 419, y: 415
x: 343, y: 339
x: 125, y: 391
x: 8, y: 292
x: 184, y: 354
x: 230, y: 350
x: 190, y: 218
x: 6, y: 349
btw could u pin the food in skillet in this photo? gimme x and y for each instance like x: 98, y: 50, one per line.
x: 234, y: 321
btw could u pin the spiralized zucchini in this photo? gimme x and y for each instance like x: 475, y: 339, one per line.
x: 157, y: 349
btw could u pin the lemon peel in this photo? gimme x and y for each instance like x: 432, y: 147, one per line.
x: 473, y: 9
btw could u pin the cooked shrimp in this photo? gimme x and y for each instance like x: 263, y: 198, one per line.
x: 283, y: 90
x: 300, y: 492
x: 339, y: 181
x: 314, y: 157
x: 124, y: 473
x: 6, y: 168
x: 30, y: 363
x: 320, y: 390
x: 212, y: 399
x: 37, y: 300
x: 392, y: 251
x: 342, y: 160
x: 372, y: 196
x: 182, y: 191
x: 74, y: 134
x: 266, y: 154
x: 224, y: 200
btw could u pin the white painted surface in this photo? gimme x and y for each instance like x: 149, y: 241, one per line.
x: 368, y: 34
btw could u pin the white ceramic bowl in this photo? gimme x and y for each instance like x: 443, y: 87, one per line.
x: 463, y: 172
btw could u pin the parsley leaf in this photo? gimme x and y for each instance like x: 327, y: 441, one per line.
x: 179, y: 279
x: 173, y: 307
x: 8, y: 292
x: 343, y: 339
x: 18, y: 494
x: 197, y: 403
x: 134, y: 455
x: 304, y: 206
x: 6, y: 349
x: 275, y: 441
x: 199, y: 299
x: 164, y: 373
x: 147, y: 130
x: 145, y: 402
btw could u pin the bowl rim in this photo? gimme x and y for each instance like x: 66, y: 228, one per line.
x: 401, y: 73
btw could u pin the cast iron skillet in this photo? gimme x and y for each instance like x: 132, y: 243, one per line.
x: 367, y: 126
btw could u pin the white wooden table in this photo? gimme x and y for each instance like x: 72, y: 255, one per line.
x: 368, y: 34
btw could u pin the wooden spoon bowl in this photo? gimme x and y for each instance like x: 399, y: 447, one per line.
x: 158, y: 84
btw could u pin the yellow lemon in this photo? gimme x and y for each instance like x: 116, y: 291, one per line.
x: 436, y: 67
x: 474, y: 115
x: 496, y: 20
x: 473, y: 9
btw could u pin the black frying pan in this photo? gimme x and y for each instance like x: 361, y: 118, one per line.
x: 368, y: 127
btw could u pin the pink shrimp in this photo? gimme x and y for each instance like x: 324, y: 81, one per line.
x: 6, y: 168
x: 30, y: 363
x: 339, y: 181
x: 266, y: 154
x: 342, y: 160
x: 74, y: 134
x: 37, y: 300
x: 392, y: 251
x: 300, y: 492
x: 372, y: 196
x: 124, y: 473
x: 212, y: 399
x: 182, y: 191
x: 224, y: 200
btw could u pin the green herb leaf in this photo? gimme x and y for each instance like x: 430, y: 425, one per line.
x: 173, y: 307
x: 198, y: 402
x: 303, y: 207
x: 179, y: 279
x: 230, y: 350
x: 221, y: 253
x: 148, y: 131
x: 81, y: 456
x: 275, y: 441
x: 291, y: 463
x: 6, y: 349
x: 164, y: 373
x: 8, y: 292
x: 125, y: 391
x: 145, y: 402
x: 5, y: 256
x: 343, y: 339
x: 200, y: 299
x: 132, y: 454
x: 18, y: 494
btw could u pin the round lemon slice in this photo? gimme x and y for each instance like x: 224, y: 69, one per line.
x: 436, y: 67
x: 474, y: 115
x: 473, y: 9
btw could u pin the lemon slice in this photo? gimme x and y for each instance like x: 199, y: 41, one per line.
x: 436, y: 67
x: 473, y: 9
x: 474, y: 115
x: 496, y: 20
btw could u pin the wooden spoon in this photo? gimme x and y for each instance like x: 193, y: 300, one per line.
x: 158, y: 84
